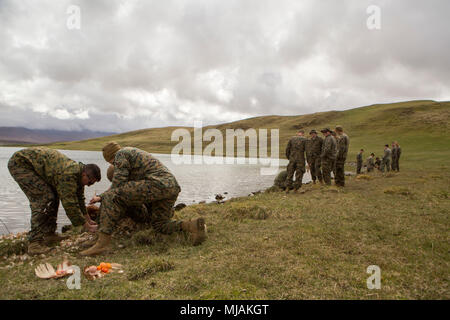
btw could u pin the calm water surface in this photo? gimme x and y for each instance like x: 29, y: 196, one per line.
x: 198, y: 182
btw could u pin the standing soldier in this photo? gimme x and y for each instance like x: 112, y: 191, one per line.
x: 295, y: 152
x: 308, y: 155
x: 386, y: 161
x: 333, y: 168
x: 343, y: 143
x: 328, y: 155
x: 370, y: 162
x: 397, y: 158
x: 394, y: 156
x: 359, y: 161
x: 46, y: 176
x: 316, y: 148
x: 140, y: 179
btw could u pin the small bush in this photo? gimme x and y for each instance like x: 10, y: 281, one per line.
x: 397, y: 190
x: 149, y: 267
x: 364, y: 177
x: 10, y: 247
x: 144, y: 237
x: 239, y: 211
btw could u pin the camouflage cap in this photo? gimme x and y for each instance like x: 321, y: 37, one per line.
x: 313, y: 131
x: 110, y: 173
x: 110, y: 150
x: 325, y: 130
x: 339, y: 128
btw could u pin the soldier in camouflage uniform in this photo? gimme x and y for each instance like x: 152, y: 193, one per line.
x: 140, y: 179
x: 378, y: 163
x: 316, y: 149
x: 333, y: 167
x: 328, y: 155
x: 359, y: 161
x: 280, y: 180
x: 295, y: 152
x: 393, y: 156
x: 386, y: 161
x: 370, y: 163
x: 397, y: 158
x: 343, y: 143
x: 46, y: 176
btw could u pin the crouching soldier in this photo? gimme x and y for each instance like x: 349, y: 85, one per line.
x: 280, y: 180
x: 371, y: 162
x: 140, y: 179
x: 47, y: 176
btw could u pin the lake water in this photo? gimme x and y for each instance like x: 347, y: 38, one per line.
x: 199, y: 182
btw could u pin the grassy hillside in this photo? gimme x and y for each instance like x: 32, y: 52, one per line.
x: 419, y: 126
x: 314, y: 244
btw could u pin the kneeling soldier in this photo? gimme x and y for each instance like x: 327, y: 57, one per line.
x: 140, y: 179
x: 46, y: 176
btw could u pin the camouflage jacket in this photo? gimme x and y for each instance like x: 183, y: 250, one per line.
x: 387, y: 154
x: 394, y: 153
x: 295, y: 150
x: 342, y: 145
x: 316, y: 146
x: 329, y: 148
x: 133, y: 164
x: 370, y: 162
x: 359, y: 158
x: 399, y: 152
x: 308, y: 151
x: 64, y: 175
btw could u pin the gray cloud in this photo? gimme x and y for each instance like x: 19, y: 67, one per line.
x: 136, y: 64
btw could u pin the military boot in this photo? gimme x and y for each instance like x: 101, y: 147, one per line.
x: 89, y: 243
x: 37, y: 247
x: 102, y: 245
x: 52, y: 238
x: 196, y: 229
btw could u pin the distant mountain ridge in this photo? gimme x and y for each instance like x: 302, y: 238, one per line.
x: 20, y: 135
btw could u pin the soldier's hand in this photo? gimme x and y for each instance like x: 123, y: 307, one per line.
x: 90, y: 227
x: 95, y: 199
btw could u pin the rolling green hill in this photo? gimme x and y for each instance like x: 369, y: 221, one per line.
x: 316, y: 243
x: 419, y: 126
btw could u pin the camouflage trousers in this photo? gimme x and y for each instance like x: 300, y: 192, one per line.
x: 339, y: 178
x: 327, y: 167
x: 44, y: 201
x: 158, y: 199
x: 394, y: 164
x: 386, y: 164
x: 397, y: 164
x: 358, y: 167
x: 297, y: 168
x: 314, y: 166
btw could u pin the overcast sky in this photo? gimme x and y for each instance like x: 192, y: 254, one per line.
x: 141, y: 64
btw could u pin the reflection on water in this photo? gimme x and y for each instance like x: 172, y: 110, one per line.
x: 198, y: 183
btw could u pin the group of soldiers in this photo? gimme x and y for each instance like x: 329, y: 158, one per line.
x: 324, y: 156
x: 328, y: 155
x: 389, y: 161
x: 141, y: 185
